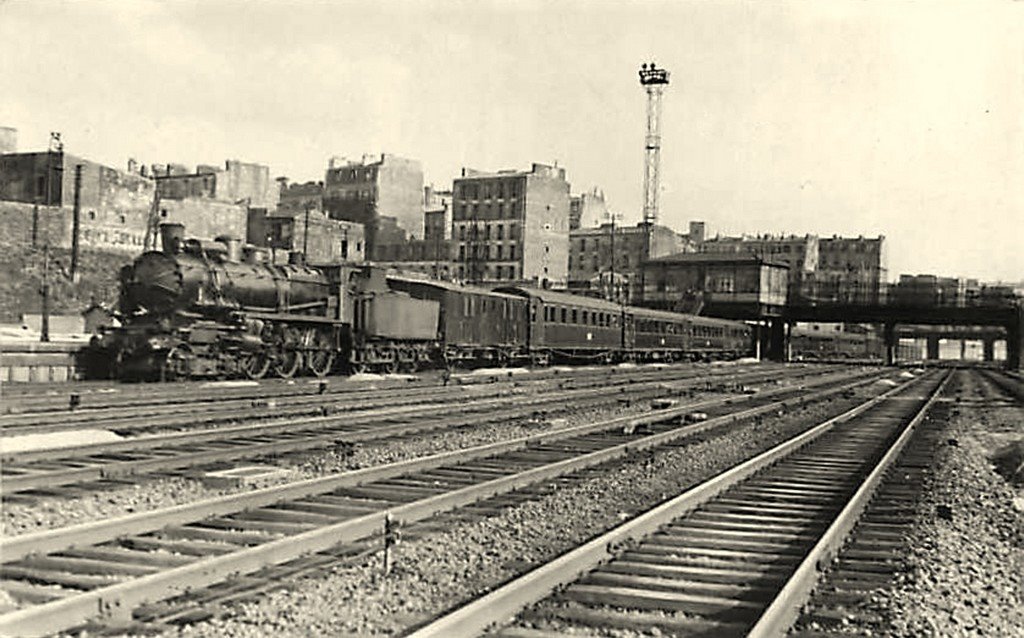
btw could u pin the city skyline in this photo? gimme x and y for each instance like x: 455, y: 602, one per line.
x: 832, y: 118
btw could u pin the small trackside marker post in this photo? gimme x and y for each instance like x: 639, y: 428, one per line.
x: 391, y: 538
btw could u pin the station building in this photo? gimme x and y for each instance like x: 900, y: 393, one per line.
x: 734, y: 286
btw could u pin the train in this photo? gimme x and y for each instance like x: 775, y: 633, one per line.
x: 217, y: 309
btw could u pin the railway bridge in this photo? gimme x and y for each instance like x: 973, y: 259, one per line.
x: 959, y: 321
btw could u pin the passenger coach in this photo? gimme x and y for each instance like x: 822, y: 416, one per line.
x: 569, y: 327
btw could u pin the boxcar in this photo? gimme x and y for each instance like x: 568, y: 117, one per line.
x: 475, y: 325
x: 570, y: 327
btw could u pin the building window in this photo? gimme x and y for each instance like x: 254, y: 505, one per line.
x: 501, y: 231
x: 462, y: 233
x: 500, y: 251
x: 487, y: 231
x: 462, y: 251
x: 92, y: 215
x: 512, y: 251
x: 583, y: 243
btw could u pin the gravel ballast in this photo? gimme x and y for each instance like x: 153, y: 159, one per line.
x: 155, y: 492
x: 965, y: 573
x: 441, y: 569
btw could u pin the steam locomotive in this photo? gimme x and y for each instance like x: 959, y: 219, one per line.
x: 216, y: 309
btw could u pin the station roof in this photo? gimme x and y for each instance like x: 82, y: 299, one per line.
x: 550, y: 297
x: 448, y: 285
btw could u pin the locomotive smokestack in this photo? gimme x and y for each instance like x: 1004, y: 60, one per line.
x: 234, y: 246
x: 171, y: 236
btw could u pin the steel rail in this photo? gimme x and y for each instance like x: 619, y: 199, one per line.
x: 132, y: 419
x: 128, y: 394
x: 167, y: 397
x: 784, y: 609
x: 319, y: 422
x: 507, y: 600
x: 118, y: 600
x: 16, y: 547
x: 350, y: 428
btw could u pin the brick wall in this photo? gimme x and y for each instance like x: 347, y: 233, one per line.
x: 21, y: 265
x: 206, y: 218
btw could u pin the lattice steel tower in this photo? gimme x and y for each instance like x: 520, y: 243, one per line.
x: 654, y: 80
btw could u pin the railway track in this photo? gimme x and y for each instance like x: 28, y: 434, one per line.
x: 20, y: 402
x: 737, y: 555
x: 104, y: 570
x: 45, y: 470
x: 186, y: 412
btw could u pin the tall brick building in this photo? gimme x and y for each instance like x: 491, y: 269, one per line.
x: 297, y: 198
x: 512, y: 226
x: 608, y: 259
x: 587, y: 210
x: 366, y: 191
x: 850, y: 270
x: 834, y: 269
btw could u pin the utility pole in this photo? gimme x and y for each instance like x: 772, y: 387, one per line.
x: 305, y: 234
x: 612, y: 271
x: 76, y: 223
x: 44, y: 290
x: 35, y: 223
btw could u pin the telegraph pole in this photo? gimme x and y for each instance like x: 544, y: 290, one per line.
x: 305, y: 234
x: 76, y: 223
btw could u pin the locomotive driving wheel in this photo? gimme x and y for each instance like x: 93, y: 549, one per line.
x: 319, y: 351
x: 254, y: 365
x: 177, y: 363
x: 288, y: 362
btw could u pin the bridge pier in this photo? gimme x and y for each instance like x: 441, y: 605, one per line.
x: 932, y: 348
x: 890, y: 341
x: 988, y: 348
x: 778, y: 344
x: 1013, y: 340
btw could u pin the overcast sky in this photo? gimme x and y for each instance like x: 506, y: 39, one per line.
x: 897, y: 118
